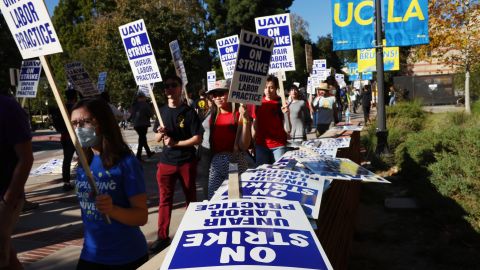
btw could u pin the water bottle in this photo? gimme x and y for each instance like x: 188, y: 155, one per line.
x: 347, y: 116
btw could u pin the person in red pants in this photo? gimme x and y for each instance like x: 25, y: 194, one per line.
x: 182, y: 131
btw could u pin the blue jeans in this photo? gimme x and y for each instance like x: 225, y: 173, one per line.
x: 264, y: 155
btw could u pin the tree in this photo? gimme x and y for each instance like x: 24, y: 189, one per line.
x: 323, y: 50
x: 300, y: 26
x: 9, y: 54
x: 454, y: 33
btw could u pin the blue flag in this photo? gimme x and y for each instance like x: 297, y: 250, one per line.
x: 352, y: 24
x: 406, y: 22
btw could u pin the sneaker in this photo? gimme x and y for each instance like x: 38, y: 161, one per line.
x: 28, y: 206
x: 67, y: 187
x: 159, y: 245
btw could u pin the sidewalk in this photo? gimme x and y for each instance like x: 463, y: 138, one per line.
x: 51, y: 236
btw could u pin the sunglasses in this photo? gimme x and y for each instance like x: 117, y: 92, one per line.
x: 171, y: 85
x: 218, y: 93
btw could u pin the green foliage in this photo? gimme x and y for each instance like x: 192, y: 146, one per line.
x: 9, y: 55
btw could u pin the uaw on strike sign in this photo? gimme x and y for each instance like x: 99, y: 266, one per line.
x: 31, y: 27
x: 251, y: 68
x: 140, y: 53
x: 29, y: 78
x: 245, y: 234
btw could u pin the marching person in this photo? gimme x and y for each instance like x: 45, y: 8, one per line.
x: 298, y: 115
x: 230, y: 136
x: 16, y: 159
x: 366, y: 98
x: 268, y: 125
x: 141, y: 114
x: 325, y: 108
x: 182, y: 131
x: 121, y: 184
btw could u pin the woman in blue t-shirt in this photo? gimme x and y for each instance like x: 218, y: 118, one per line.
x: 121, y: 187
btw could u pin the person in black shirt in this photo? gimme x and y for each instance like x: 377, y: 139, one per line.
x: 141, y: 114
x: 182, y: 130
x: 366, y: 97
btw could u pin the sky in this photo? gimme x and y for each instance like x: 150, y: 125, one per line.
x: 315, y: 12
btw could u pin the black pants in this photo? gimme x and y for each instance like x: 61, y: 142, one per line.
x: 68, y: 150
x: 142, y: 140
x: 322, y: 128
x: 85, y: 265
x: 366, y: 113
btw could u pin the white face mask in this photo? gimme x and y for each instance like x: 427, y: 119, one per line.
x: 87, y: 136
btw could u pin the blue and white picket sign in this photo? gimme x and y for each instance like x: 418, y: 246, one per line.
x: 406, y: 22
x: 140, y: 52
x: 246, y: 235
x: 80, y: 79
x: 367, y: 76
x: 178, y: 61
x: 211, y: 78
x: 348, y: 128
x: 340, y: 169
x: 319, y: 64
x: 31, y: 27
x: 328, y: 143
x: 29, y: 78
x: 102, y: 80
x: 310, y: 87
x: 340, y: 78
x: 251, y: 68
x: 353, y: 72
x: 275, y: 184
x: 352, y: 23
x: 227, y: 50
x: 278, y: 27
x: 145, y: 89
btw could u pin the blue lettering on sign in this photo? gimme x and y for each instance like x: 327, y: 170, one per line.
x: 247, y: 246
x: 227, y: 42
x: 272, y: 21
x: 228, y: 50
x: 253, y: 60
x: 281, y: 34
x: 29, y: 74
x: 138, y: 46
x: 132, y: 29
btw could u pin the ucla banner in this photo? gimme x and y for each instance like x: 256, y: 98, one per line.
x: 353, y: 72
x: 406, y: 22
x: 352, y: 24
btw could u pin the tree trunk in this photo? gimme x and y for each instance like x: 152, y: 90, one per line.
x: 467, y: 92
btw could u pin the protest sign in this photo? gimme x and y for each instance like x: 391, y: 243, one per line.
x: 366, y: 76
x: 29, y: 78
x: 211, y: 78
x: 310, y: 87
x: 145, y: 89
x: 31, y: 27
x: 328, y: 143
x: 102, y: 80
x: 178, y: 62
x: 227, y: 50
x: 245, y: 234
x: 348, y: 127
x: 367, y: 59
x: 407, y: 22
x: 80, y: 79
x: 340, y: 169
x: 353, y: 72
x: 139, y: 52
x: 278, y: 28
x: 349, y: 31
x: 340, y: 78
x: 278, y: 184
x: 357, y: 84
x: 251, y: 68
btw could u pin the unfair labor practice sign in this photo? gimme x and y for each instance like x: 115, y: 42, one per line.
x: 31, y: 27
x: 251, y: 68
x: 227, y: 50
x: 80, y: 79
x: 278, y: 28
x: 29, y: 78
x: 178, y: 61
x: 245, y: 234
x: 140, y: 52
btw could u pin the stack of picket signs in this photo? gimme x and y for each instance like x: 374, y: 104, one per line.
x: 268, y: 228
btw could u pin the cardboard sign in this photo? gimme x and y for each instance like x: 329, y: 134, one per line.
x: 307, y: 189
x: 145, y: 89
x: 278, y: 27
x: 328, y: 143
x: 227, y: 50
x: 340, y: 78
x: 80, y: 79
x: 178, y: 61
x: 140, y: 52
x: 29, y: 78
x: 102, y: 80
x: 340, y: 169
x: 310, y: 87
x: 211, y: 78
x: 31, y: 27
x: 247, y: 235
x: 251, y: 68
